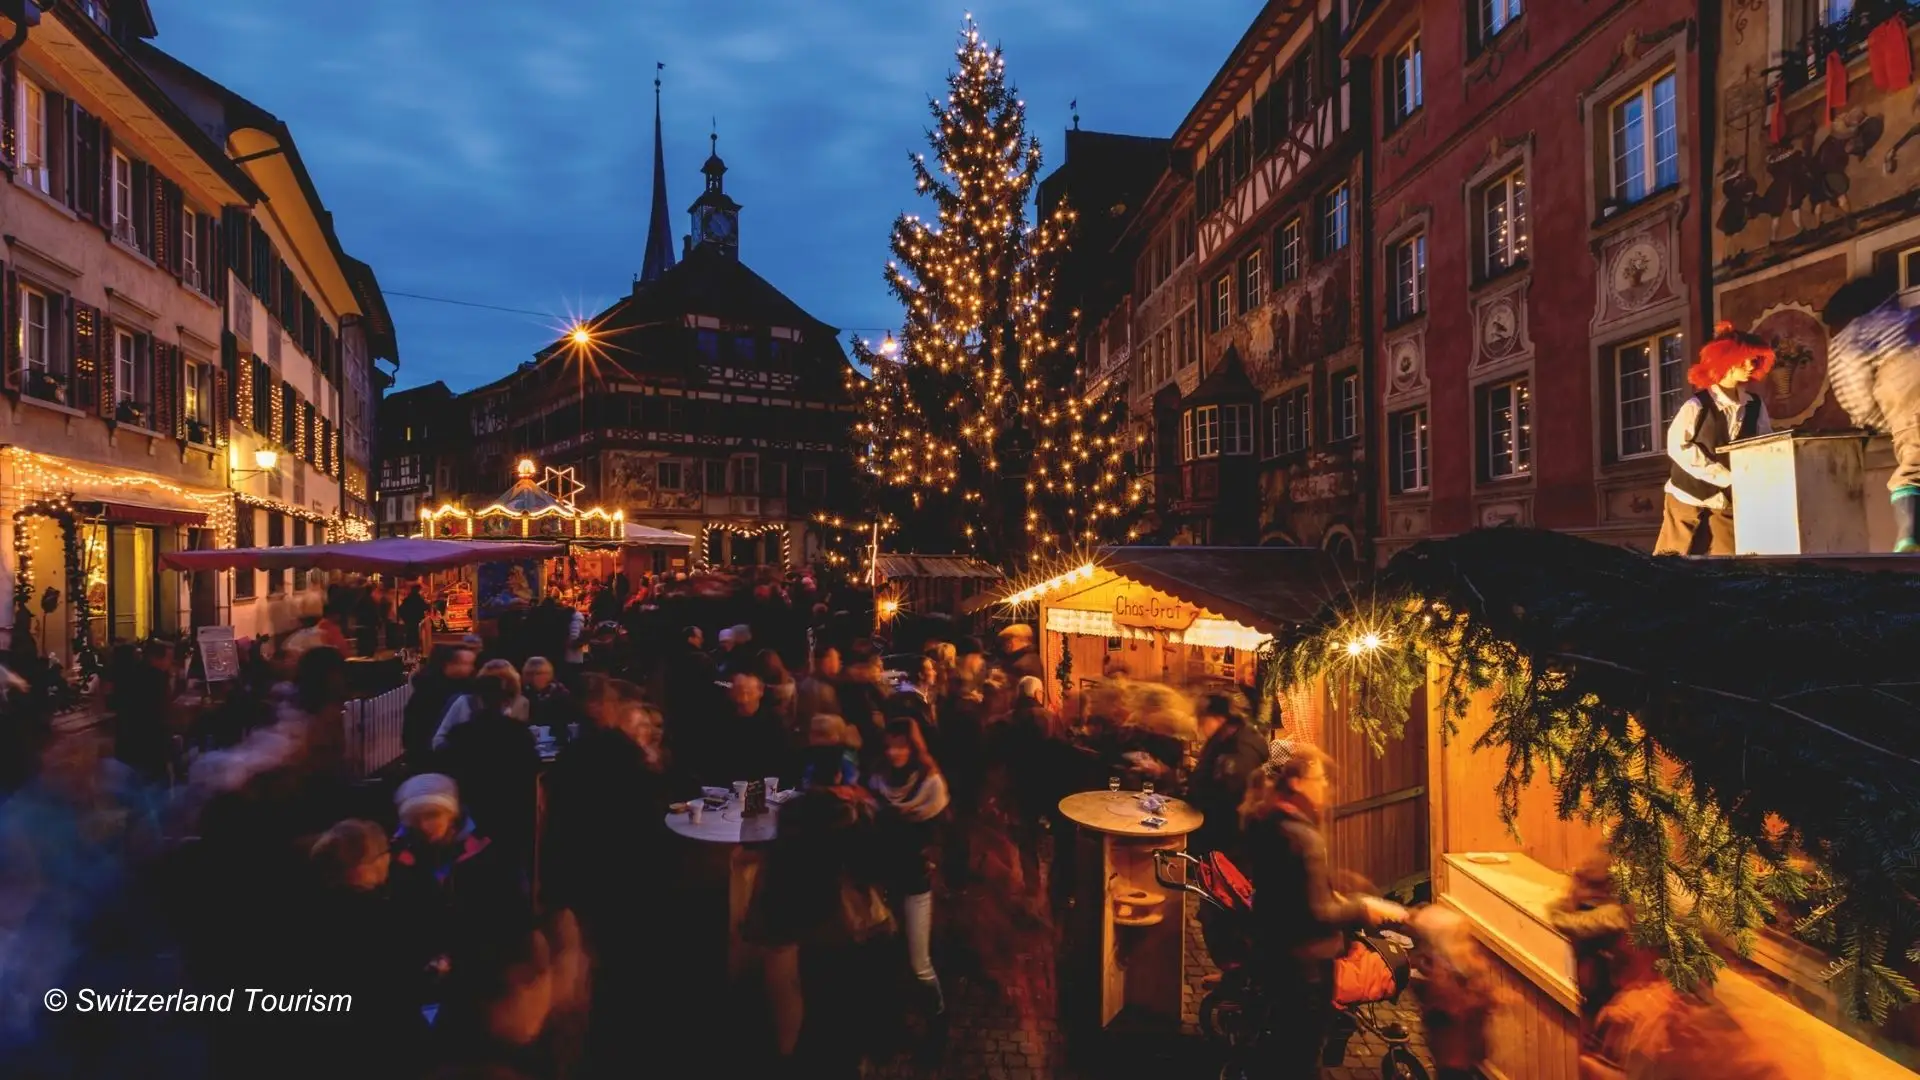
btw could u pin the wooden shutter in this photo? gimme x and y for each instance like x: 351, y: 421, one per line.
x: 108, y: 366
x: 86, y: 164
x: 84, y: 348
x: 165, y: 200
x: 9, y: 134
x: 142, y: 208
x: 59, y: 139
x: 225, y: 381
x: 161, y: 377
x: 105, y: 151
x: 10, y: 326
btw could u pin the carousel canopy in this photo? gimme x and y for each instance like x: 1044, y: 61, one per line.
x: 400, y: 556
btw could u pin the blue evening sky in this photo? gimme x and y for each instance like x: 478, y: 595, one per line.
x: 499, y: 151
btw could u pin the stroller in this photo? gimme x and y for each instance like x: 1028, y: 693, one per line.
x: 1374, y: 971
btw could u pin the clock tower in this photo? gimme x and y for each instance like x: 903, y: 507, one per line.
x: 716, y: 217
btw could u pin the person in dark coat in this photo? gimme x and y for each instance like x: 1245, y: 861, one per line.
x: 1299, y: 922
x: 413, y: 612
x: 494, y: 759
x: 1231, y: 753
x: 912, y: 799
x: 748, y: 741
x: 550, y: 704
x: 140, y: 695
x: 352, y: 943
x: 454, y: 893
x: 1031, y: 746
x: 446, y: 675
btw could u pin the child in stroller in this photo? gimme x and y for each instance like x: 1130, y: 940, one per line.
x: 1373, y: 971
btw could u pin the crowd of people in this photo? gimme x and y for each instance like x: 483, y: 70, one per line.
x: 512, y: 903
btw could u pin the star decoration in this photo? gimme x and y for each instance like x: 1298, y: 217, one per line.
x: 562, y: 484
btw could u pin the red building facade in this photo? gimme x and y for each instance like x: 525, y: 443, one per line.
x: 1536, y: 192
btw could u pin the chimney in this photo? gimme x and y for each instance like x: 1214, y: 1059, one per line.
x: 686, y: 245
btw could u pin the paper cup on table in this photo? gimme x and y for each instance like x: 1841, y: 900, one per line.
x: 740, y: 792
x: 773, y: 784
x: 696, y: 811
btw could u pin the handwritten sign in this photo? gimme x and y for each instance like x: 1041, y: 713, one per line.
x: 219, y: 655
x: 1150, y: 611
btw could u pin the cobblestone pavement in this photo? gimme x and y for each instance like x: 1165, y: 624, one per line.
x: 1014, y: 1033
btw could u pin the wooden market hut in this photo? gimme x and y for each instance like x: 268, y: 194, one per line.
x: 1194, y: 617
x: 947, y: 584
x: 1725, y: 731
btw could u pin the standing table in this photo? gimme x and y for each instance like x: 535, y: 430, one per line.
x: 743, y: 835
x: 1141, y: 936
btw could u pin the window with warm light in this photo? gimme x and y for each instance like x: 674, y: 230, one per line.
x: 1649, y: 386
x: 1506, y: 444
x: 31, y: 128
x: 1504, y: 224
x: 1646, y: 140
x: 1409, y: 262
x: 1407, y: 470
x: 36, y: 339
x: 1200, y: 432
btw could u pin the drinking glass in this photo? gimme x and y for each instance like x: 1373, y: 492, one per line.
x: 1146, y: 787
x: 1113, y: 785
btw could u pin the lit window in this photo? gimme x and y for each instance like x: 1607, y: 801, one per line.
x: 1650, y: 383
x: 1410, y: 276
x: 1646, y: 141
x: 1346, y: 405
x: 1287, y: 247
x: 1200, y: 432
x: 1334, y: 220
x: 1507, y: 446
x: 33, y: 136
x: 1505, y: 217
x: 1289, y: 429
x: 1407, y: 434
x: 1408, y: 79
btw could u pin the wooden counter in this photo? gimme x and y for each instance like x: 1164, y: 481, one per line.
x: 1141, y: 958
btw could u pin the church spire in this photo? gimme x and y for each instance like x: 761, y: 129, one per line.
x: 659, y: 256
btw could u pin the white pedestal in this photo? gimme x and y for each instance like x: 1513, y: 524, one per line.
x: 1796, y: 494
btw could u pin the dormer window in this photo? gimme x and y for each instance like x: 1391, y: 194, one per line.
x: 1208, y: 431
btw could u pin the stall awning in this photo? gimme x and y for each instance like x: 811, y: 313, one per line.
x: 139, y: 514
x: 401, y: 556
x: 647, y: 534
x: 938, y: 566
x: 1266, y: 588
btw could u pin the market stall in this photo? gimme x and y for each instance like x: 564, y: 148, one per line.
x: 1200, y: 618
x: 1715, y: 730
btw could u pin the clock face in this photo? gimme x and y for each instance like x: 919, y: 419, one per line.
x: 720, y: 226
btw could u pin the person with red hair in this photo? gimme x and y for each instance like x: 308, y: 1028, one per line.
x: 1699, y: 502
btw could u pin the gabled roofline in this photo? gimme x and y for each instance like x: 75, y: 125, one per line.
x: 122, y: 64
x: 1260, y: 36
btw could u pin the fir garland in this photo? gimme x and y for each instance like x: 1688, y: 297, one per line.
x: 1689, y: 708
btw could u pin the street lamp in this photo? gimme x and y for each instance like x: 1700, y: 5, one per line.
x: 580, y: 335
x: 267, y: 458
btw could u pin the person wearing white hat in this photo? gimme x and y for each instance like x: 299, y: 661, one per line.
x: 448, y: 880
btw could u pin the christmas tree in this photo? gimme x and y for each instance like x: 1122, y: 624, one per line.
x: 976, y: 434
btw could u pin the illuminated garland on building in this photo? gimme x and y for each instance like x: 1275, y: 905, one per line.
x: 748, y: 532
x: 59, y: 510
x: 45, y: 476
x: 976, y: 373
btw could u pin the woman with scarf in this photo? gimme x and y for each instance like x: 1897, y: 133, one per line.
x: 912, y: 796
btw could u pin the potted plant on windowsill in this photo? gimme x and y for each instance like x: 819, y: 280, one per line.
x: 197, y: 432
x: 47, y: 387
x: 131, y: 412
